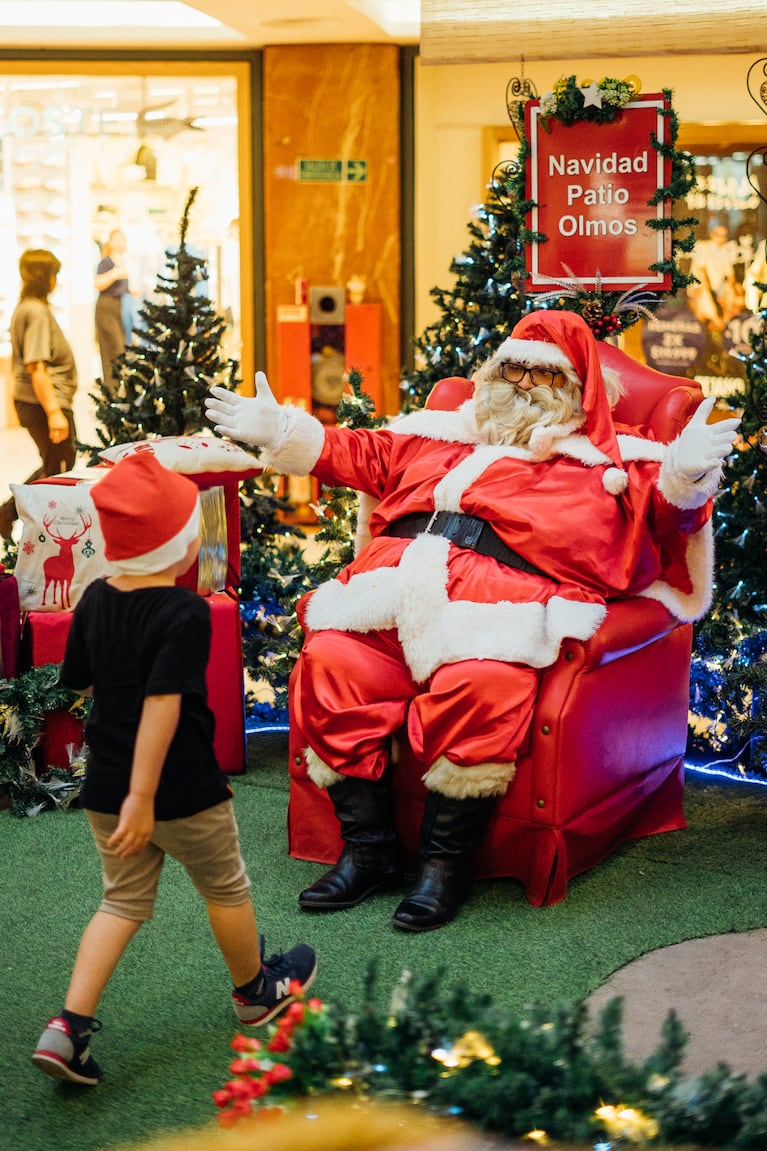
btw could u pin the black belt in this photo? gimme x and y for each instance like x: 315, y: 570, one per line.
x: 465, y: 531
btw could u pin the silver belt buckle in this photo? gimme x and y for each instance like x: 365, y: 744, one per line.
x: 430, y: 525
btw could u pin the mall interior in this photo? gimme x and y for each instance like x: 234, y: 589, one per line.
x: 339, y: 156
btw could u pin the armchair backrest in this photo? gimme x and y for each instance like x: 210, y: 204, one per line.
x: 657, y: 404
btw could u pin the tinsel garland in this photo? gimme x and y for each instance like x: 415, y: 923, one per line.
x: 24, y: 703
x: 608, y: 313
x: 541, y: 1075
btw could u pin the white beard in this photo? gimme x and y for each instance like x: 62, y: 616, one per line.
x: 509, y: 415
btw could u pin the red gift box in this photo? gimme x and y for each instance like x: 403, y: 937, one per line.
x: 44, y: 638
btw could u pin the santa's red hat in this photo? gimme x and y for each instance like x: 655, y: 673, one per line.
x: 563, y: 340
x: 148, y: 514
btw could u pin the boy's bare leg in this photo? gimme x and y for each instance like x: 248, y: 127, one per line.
x: 236, y: 934
x: 101, y: 948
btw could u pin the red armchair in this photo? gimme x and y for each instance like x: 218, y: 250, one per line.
x: 603, y: 761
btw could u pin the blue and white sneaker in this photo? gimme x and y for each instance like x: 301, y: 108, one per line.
x: 299, y: 965
x: 62, y: 1055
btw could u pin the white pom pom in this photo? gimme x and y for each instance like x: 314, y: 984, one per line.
x: 615, y: 481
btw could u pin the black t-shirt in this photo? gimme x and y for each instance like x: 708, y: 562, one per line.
x: 128, y: 645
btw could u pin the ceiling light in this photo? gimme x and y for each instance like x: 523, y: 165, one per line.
x: 95, y: 13
x: 395, y: 17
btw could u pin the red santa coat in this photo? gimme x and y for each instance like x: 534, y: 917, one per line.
x: 550, y: 504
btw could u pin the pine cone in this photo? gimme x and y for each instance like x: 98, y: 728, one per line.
x: 592, y: 312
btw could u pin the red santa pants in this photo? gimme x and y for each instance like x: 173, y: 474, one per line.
x: 352, y: 691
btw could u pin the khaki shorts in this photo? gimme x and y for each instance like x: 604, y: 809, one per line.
x: 206, y: 845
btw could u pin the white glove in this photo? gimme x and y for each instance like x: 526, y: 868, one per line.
x: 252, y: 420
x: 701, y: 447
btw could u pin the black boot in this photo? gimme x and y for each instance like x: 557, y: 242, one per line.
x: 451, y: 831
x: 372, y: 857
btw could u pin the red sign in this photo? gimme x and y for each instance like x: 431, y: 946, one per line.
x: 591, y: 184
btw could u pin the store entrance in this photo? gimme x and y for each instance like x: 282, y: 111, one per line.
x: 118, y: 147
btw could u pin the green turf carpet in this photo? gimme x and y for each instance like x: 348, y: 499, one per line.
x: 167, y: 1015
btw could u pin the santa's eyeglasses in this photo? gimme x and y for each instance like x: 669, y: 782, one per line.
x: 540, y: 377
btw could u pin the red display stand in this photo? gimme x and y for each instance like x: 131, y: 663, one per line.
x: 44, y: 637
x: 294, y: 363
x: 362, y: 347
x: 362, y: 351
x: 9, y: 627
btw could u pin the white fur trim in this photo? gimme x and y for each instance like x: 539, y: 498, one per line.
x: 534, y: 354
x: 318, y: 771
x: 455, y: 427
x: 478, y: 779
x: 700, y: 565
x: 680, y: 490
x: 544, y: 439
x: 615, y: 481
x: 299, y: 445
x: 581, y: 448
x: 638, y: 448
x: 434, y: 630
x: 367, y: 602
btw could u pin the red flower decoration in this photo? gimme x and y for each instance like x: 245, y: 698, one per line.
x: 280, y: 1042
x: 278, y: 1073
x: 242, y: 1043
x: 242, y: 1066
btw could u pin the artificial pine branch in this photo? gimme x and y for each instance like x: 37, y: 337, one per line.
x: 728, y: 680
x: 24, y: 703
x: 545, y: 1070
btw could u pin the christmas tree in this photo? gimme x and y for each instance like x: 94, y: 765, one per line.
x: 729, y: 670
x: 486, y: 299
x: 164, y: 378
x: 162, y: 384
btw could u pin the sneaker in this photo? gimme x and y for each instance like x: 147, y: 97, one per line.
x: 280, y: 971
x: 62, y: 1056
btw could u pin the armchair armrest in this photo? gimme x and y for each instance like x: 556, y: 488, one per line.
x: 629, y: 625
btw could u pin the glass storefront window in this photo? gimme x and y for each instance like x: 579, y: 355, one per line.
x: 83, y: 153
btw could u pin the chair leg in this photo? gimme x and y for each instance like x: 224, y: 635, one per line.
x: 372, y: 857
x: 451, y: 831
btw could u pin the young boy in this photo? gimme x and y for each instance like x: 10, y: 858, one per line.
x: 153, y: 785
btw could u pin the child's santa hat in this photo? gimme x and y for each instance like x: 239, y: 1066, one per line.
x: 563, y: 340
x: 148, y: 514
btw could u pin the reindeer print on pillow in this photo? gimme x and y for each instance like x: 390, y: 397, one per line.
x: 61, y: 549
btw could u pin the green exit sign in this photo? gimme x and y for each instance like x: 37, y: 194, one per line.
x: 332, y: 171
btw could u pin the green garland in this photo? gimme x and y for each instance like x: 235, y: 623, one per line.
x: 545, y: 1074
x: 24, y: 703
x: 608, y: 313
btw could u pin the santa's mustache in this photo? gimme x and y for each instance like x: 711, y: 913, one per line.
x: 507, y: 414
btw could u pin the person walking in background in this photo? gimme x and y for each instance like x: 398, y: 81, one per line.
x: 140, y: 645
x: 44, y: 373
x: 111, y: 284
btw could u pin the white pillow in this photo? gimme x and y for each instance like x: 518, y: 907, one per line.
x: 191, y: 455
x: 61, y: 549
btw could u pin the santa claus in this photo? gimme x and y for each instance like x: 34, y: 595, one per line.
x: 492, y: 533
